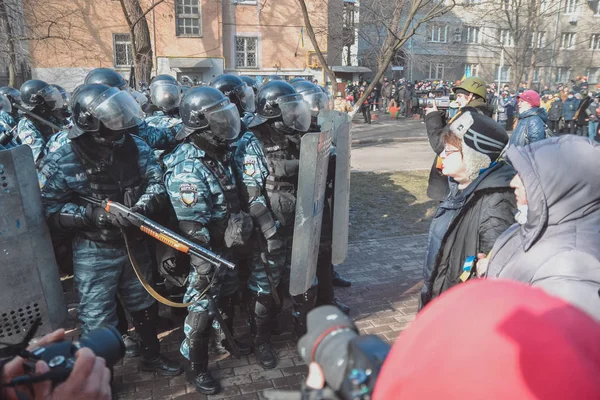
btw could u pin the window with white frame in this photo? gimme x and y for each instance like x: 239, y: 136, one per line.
x: 544, y: 5
x: 187, y: 18
x: 567, y: 40
x: 541, y: 40
x: 504, y: 74
x: 562, y: 74
x: 506, y: 38
x: 595, y: 41
x: 437, y: 33
x: 246, y: 52
x: 472, y: 69
x: 472, y: 2
x: 123, y: 53
x: 537, y: 73
x: 436, y: 70
x: 570, y: 6
x: 473, y: 34
x: 458, y: 34
x: 592, y: 74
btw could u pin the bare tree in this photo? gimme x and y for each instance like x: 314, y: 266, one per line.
x: 7, y: 27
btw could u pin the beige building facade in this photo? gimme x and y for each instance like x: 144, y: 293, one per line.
x: 191, y: 39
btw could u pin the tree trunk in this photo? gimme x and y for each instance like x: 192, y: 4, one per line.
x: 313, y: 40
x: 140, y: 39
x: 12, y: 56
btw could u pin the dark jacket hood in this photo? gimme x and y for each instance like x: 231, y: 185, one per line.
x: 561, y: 181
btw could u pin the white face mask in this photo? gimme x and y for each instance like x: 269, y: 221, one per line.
x: 570, y: 96
x: 521, y: 215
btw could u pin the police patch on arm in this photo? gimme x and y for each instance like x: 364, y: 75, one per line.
x: 188, y: 192
x: 249, y: 165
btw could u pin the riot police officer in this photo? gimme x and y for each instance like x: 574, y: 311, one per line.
x: 239, y: 93
x: 41, y: 99
x: 104, y: 161
x: 14, y: 96
x: 282, y: 118
x: 251, y: 82
x: 62, y: 113
x: 200, y: 182
x: 262, y: 267
x: 157, y: 138
x: 165, y: 95
x: 7, y: 123
x: 319, y: 104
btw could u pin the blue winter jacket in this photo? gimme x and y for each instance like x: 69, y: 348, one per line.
x: 531, y: 127
x: 570, y: 107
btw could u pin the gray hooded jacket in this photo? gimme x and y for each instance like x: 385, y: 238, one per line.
x: 558, y: 248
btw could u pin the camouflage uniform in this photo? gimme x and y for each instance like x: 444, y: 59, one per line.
x: 203, y: 209
x: 7, y: 124
x: 158, y: 138
x: 35, y: 135
x: 101, y: 265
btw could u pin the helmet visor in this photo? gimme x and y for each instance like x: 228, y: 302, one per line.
x: 246, y: 96
x: 224, y: 120
x: 165, y: 95
x: 52, y: 97
x: 117, y: 110
x: 5, y: 104
x: 295, y: 112
x: 317, y: 101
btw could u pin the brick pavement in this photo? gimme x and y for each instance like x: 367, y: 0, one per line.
x: 386, y: 278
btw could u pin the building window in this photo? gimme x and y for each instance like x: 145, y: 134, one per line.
x: 122, y: 49
x: 595, y: 41
x: 506, y: 38
x: 437, y: 33
x: 472, y: 2
x: 567, y: 40
x: 541, y: 40
x: 458, y: 34
x: 246, y: 52
x: 473, y: 34
x: 592, y: 74
x: 570, y: 6
x: 504, y: 74
x: 537, y: 72
x: 544, y: 5
x: 471, y: 70
x: 436, y: 71
x: 562, y: 74
x: 187, y: 18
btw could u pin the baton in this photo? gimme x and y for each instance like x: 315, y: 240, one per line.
x: 35, y: 116
x: 263, y: 258
x: 160, y: 233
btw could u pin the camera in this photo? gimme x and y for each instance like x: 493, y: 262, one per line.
x: 350, y: 362
x: 105, y: 342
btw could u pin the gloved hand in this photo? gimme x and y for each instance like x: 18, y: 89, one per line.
x: 98, y: 216
x: 121, y: 222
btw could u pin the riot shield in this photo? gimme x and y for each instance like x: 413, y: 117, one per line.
x: 341, y: 189
x: 30, y: 287
x: 312, y: 178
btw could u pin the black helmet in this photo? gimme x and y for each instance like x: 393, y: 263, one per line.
x: 253, y: 83
x: 38, y: 93
x: 274, y: 77
x: 279, y: 101
x: 165, y: 92
x: 5, y: 105
x: 237, y: 90
x: 98, y: 108
x: 65, y: 96
x: 313, y: 94
x: 105, y: 76
x: 205, y: 108
x: 11, y: 93
x: 296, y: 79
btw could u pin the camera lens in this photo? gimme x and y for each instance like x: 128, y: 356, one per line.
x: 326, y: 342
x: 105, y: 342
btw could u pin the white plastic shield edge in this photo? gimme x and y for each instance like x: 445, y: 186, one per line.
x: 312, y: 178
x: 341, y: 190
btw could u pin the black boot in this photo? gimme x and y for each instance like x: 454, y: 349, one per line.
x: 302, y: 304
x: 132, y: 348
x: 281, y: 291
x: 260, y: 325
x: 221, y: 345
x: 338, y: 280
x: 145, y: 322
x: 198, y: 373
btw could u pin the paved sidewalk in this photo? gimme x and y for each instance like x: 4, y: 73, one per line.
x: 386, y: 278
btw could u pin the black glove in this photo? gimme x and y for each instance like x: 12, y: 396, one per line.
x: 97, y: 216
x: 121, y: 222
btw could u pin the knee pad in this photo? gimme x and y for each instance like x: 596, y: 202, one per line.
x: 198, y: 324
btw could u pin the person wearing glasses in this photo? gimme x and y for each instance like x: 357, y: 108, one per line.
x: 479, y: 207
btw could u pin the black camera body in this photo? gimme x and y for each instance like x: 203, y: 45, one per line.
x: 366, y: 356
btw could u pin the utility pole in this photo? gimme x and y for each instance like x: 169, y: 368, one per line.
x: 499, y: 79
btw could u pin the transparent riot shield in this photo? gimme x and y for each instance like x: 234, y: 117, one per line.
x: 30, y: 286
x: 312, y: 178
x: 341, y: 188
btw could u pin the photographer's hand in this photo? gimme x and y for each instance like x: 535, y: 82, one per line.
x: 14, y: 368
x: 90, y: 379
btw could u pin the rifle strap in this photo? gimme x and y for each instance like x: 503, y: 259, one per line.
x: 150, y: 289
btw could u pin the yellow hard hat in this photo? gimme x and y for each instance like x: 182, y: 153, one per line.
x: 473, y: 85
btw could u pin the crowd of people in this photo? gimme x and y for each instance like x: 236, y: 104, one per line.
x: 218, y: 164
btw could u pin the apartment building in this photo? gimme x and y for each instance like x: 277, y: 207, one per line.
x: 197, y: 39
x: 475, y: 38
